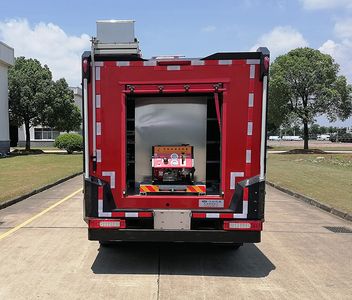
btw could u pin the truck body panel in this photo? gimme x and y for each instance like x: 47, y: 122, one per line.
x: 213, y: 107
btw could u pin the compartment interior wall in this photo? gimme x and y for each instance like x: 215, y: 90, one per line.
x: 172, y: 120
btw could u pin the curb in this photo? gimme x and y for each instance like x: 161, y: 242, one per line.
x: 23, y: 197
x: 339, y: 213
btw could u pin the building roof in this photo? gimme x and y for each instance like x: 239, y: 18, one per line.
x: 76, y: 90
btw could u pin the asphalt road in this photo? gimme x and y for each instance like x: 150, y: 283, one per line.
x: 49, y: 257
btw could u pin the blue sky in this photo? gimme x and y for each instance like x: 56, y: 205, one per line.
x: 56, y: 32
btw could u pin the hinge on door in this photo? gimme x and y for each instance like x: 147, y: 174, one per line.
x: 94, y: 160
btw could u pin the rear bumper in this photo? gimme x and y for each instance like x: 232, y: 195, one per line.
x: 196, y: 236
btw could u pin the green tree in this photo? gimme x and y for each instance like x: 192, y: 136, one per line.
x: 304, y: 83
x: 29, y: 85
x: 315, y: 129
x: 62, y: 113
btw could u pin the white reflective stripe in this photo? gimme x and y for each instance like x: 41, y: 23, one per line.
x: 97, y: 101
x: 253, y: 61
x: 197, y: 62
x: 99, y: 63
x: 239, y: 216
x: 97, y: 73
x: 250, y: 128
x: 244, y: 213
x: 104, y: 214
x: 98, y: 128
x: 263, y: 133
x: 251, y: 71
x: 233, y: 176
x: 212, y: 215
x: 131, y: 214
x: 100, y: 205
x: 245, y: 207
x: 250, y: 100
x: 101, y: 213
x: 122, y: 63
x: 110, y: 174
x: 98, y: 155
x: 248, y: 156
x: 173, y: 68
x: 149, y: 63
x: 225, y: 62
x: 86, y: 145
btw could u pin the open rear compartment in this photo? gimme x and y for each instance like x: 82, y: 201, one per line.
x: 173, y: 144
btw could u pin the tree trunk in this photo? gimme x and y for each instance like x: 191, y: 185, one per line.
x: 28, y: 137
x: 305, y: 134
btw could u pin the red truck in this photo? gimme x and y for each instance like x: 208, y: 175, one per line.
x: 175, y: 147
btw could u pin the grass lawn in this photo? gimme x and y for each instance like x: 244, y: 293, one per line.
x: 330, y: 148
x: 22, y: 174
x: 326, y: 178
x: 41, y: 148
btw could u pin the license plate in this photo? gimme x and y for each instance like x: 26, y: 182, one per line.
x: 172, y: 219
x: 211, y: 203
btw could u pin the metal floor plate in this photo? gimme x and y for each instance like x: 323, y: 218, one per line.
x: 338, y: 229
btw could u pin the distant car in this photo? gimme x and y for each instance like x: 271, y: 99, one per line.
x: 323, y: 137
x: 291, y: 138
x: 274, y: 138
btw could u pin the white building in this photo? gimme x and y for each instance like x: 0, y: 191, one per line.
x: 6, y: 60
x: 44, y: 136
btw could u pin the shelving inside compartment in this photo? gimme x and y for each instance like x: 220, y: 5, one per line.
x: 213, y: 162
x: 130, y: 145
x: 172, y: 120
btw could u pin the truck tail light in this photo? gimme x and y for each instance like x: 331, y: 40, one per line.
x: 85, y: 69
x: 106, y: 223
x: 243, y: 225
x: 85, y: 65
x: 266, y: 63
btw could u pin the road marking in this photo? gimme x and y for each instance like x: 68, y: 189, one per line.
x: 7, y: 233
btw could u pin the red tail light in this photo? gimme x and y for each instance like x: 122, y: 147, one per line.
x: 243, y: 225
x: 266, y: 63
x: 85, y: 65
x: 107, y: 223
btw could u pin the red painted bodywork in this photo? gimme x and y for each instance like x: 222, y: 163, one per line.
x: 113, y: 87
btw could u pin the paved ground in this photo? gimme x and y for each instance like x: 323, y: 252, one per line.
x: 51, y: 258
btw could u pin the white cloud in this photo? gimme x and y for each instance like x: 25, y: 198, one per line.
x: 341, y: 48
x: 329, y: 47
x: 49, y: 44
x: 325, y: 4
x: 343, y: 28
x: 209, y: 28
x: 280, y: 40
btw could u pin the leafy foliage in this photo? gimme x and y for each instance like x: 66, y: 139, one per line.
x: 69, y: 142
x: 29, y: 85
x: 34, y: 98
x: 304, y: 84
x: 62, y: 113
